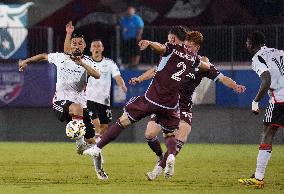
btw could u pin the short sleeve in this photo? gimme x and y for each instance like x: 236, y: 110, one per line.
x: 139, y: 22
x: 212, y: 73
x: 169, y: 48
x: 54, y: 58
x: 114, y: 69
x: 259, y: 65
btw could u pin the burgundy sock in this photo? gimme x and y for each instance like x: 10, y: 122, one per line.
x: 155, y: 146
x: 171, y: 144
x: 164, y: 160
x: 111, y: 134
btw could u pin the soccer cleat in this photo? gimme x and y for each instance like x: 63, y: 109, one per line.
x: 157, y: 171
x: 170, y: 166
x: 101, y: 174
x: 81, y: 146
x: 93, y: 150
x: 252, y: 181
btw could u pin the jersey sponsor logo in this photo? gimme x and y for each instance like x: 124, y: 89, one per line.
x: 12, y: 29
x: 11, y: 84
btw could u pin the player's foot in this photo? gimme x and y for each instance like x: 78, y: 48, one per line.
x: 252, y: 181
x: 81, y: 146
x: 101, y: 174
x: 157, y: 171
x: 170, y: 166
x: 93, y: 151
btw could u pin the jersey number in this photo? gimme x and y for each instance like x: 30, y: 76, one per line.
x: 176, y: 76
x: 280, y: 64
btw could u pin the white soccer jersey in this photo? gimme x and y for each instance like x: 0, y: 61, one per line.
x: 98, y: 90
x: 71, y: 78
x: 272, y: 60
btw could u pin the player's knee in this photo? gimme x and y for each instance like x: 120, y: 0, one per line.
x: 124, y: 120
x: 75, y: 110
x: 152, y: 130
x: 96, y: 123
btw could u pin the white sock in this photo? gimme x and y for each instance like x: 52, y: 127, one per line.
x: 80, y: 141
x: 262, y: 161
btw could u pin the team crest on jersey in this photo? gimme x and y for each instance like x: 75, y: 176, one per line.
x: 12, y: 29
x: 11, y: 84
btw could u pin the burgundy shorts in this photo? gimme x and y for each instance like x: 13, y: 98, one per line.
x: 185, y: 116
x: 138, y: 107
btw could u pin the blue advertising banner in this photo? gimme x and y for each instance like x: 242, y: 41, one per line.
x: 33, y: 88
x: 13, y: 34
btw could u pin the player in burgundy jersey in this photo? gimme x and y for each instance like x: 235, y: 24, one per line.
x: 162, y: 95
x: 193, y: 41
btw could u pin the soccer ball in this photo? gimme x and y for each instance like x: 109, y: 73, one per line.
x: 75, y: 129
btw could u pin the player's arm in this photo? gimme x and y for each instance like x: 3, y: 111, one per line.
x: 228, y: 82
x: 149, y: 74
x: 40, y: 57
x: 120, y: 82
x: 90, y: 70
x: 155, y: 46
x: 67, y: 41
x: 263, y: 89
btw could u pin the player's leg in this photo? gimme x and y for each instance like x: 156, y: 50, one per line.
x: 136, y: 109
x: 152, y: 139
x: 105, y: 116
x: 274, y: 118
x: 94, y: 111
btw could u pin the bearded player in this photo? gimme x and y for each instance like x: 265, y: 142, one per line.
x: 194, y: 41
x: 69, y: 99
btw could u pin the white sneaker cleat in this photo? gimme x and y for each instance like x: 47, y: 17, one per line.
x: 170, y: 166
x: 157, y: 171
x: 101, y: 174
x: 93, y: 151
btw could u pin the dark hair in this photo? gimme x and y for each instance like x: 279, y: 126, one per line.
x: 77, y: 36
x: 257, y: 38
x: 97, y: 40
x: 178, y: 31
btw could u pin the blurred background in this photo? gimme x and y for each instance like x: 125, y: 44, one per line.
x: 32, y: 27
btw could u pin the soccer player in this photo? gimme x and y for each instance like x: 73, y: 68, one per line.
x: 69, y: 99
x: 98, y: 90
x: 194, y: 41
x: 161, y: 97
x: 268, y: 64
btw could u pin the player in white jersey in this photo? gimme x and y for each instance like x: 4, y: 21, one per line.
x: 98, y: 90
x: 69, y: 100
x: 269, y: 65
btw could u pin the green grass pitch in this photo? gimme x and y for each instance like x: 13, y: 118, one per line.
x: 200, y: 168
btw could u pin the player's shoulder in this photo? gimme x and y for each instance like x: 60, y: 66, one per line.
x: 109, y: 60
x: 88, y: 58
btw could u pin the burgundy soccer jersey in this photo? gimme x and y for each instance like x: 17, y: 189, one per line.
x: 175, y: 65
x: 191, y: 82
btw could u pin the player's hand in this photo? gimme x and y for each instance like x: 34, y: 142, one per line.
x: 134, y: 81
x: 240, y: 89
x: 254, y: 107
x: 78, y: 61
x: 69, y: 28
x: 143, y: 44
x: 22, y: 65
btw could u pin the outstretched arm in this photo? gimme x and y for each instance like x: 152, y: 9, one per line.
x: 23, y: 63
x: 232, y: 84
x: 157, y: 47
x: 67, y: 41
x: 120, y: 82
x: 149, y: 74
